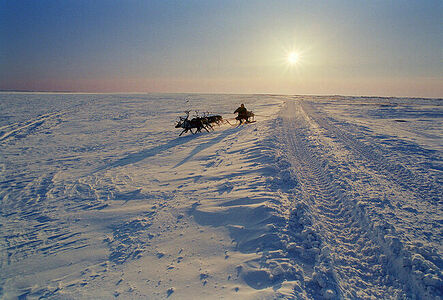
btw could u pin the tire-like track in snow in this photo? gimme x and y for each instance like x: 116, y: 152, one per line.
x: 359, y: 263
x: 422, y: 187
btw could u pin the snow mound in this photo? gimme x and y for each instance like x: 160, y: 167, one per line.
x: 322, y: 198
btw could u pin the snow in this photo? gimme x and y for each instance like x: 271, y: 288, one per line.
x: 324, y: 197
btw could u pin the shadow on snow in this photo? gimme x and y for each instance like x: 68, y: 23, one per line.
x: 211, y: 142
x: 146, y: 153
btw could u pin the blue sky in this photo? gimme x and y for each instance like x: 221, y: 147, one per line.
x: 391, y: 48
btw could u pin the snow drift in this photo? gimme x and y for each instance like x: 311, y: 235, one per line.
x: 322, y: 198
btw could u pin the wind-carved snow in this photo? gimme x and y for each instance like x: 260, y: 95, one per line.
x: 321, y: 198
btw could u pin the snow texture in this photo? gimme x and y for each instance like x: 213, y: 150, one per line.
x: 322, y: 198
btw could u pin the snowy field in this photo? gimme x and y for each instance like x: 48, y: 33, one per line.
x: 322, y: 198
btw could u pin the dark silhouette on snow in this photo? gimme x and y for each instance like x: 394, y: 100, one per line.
x: 188, y: 125
x: 206, y: 122
x: 244, y: 114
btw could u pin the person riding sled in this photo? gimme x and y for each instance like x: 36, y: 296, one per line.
x: 243, y: 114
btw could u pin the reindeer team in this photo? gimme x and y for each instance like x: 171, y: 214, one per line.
x: 207, y: 121
x: 198, y: 123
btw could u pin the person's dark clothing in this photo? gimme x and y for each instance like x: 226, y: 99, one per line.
x: 242, y: 112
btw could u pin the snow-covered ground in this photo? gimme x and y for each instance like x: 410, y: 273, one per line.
x: 322, y: 198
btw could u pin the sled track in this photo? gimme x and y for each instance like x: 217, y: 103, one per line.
x: 423, y: 188
x: 353, y: 248
x: 22, y: 129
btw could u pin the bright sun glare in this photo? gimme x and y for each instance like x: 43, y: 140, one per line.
x: 293, y: 58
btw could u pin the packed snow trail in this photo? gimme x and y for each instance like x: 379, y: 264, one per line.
x: 355, y: 255
x: 325, y: 197
x: 423, y: 186
x: 367, y: 262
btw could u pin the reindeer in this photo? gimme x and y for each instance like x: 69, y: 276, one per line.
x: 210, y: 120
x: 217, y: 119
x: 206, y: 122
x: 188, y: 125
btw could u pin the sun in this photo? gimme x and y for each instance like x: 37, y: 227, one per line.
x: 293, y: 58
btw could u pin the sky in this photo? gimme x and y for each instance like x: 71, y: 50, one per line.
x: 354, y: 47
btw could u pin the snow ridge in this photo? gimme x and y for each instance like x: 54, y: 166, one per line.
x: 275, y: 225
x: 322, y: 198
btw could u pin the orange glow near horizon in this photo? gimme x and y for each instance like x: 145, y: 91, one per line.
x: 284, y: 84
x: 293, y: 47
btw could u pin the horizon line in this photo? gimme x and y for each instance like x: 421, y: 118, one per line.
x: 206, y: 93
